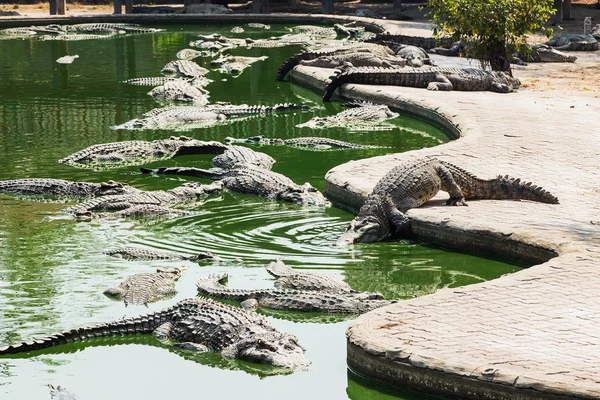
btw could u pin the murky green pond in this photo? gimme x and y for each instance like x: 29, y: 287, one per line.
x: 53, y: 272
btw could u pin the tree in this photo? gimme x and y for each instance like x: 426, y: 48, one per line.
x: 490, y: 27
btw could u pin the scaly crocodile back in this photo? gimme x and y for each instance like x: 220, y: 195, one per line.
x: 502, y: 187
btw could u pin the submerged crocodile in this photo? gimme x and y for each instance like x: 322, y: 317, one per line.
x: 250, y: 179
x: 293, y: 300
x: 187, y: 192
x: 197, y: 324
x: 180, y: 91
x: 132, y: 253
x: 432, y: 78
x: 138, y: 151
x: 144, y: 211
x: 366, y: 116
x: 413, y: 183
x: 61, y: 187
x: 199, y: 82
x: 190, y: 117
x: 573, y: 42
x: 312, y: 142
x: 183, y: 68
x: 289, y: 278
x: 147, y: 287
x: 235, y: 65
x: 236, y: 155
x: 79, y: 31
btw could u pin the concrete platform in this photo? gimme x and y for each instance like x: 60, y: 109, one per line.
x: 531, y: 335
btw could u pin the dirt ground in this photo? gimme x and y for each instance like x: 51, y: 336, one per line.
x: 581, y: 78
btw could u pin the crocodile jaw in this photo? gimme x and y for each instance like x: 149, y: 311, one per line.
x: 272, y: 348
x: 364, y: 230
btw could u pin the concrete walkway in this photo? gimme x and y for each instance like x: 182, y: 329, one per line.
x: 533, y: 334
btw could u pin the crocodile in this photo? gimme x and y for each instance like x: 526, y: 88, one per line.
x: 106, y: 27
x: 296, y: 59
x: 289, y: 278
x: 235, y: 65
x: 414, y: 56
x: 188, y: 54
x: 134, y: 152
x: 348, y: 29
x: 61, y: 393
x: 573, y: 42
x: 312, y: 142
x: 364, y: 117
x: 190, y: 117
x: 258, y: 25
x: 432, y: 78
x: 541, y: 53
x: 61, y: 187
x: 314, y: 31
x: 292, y: 300
x: 180, y: 92
x: 358, y: 59
x: 250, y: 179
x: 197, y: 324
x: 455, y: 49
x: 413, y: 183
x: 144, y: 211
x: 132, y: 253
x: 393, y: 41
x: 236, y: 155
x: 183, y: 68
x: 147, y: 287
x: 67, y: 59
x: 73, y: 37
x: 187, y: 192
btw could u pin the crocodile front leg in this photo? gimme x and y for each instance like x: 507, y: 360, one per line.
x: 399, y: 222
x: 441, y: 82
x: 499, y: 88
x: 449, y: 185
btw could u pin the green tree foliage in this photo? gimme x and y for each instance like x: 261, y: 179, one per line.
x: 490, y: 27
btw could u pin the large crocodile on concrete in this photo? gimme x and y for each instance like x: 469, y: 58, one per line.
x: 134, y: 253
x: 187, y: 192
x: 310, y: 142
x: 147, y: 286
x: 356, y: 59
x: 190, y: 117
x: 289, y: 278
x: 432, y: 78
x: 573, y: 42
x: 413, y: 183
x: 543, y: 53
x: 61, y: 187
x: 139, y: 151
x: 197, y: 324
x: 415, y: 56
x: 364, y: 116
x: 250, y: 179
x: 293, y: 300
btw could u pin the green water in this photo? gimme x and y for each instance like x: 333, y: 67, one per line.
x: 53, y: 272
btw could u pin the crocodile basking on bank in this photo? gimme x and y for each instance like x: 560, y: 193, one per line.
x: 190, y: 117
x: 147, y: 287
x: 132, y: 253
x: 311, y: 142
x: 187, y: 192
x: 138, y: 151
x: 235, y: 65
x: 197, y: 324
x: 363, y: 116
x: 432, y: 78
x: 61, y: 187
x: 573, y: 42
x: 250, y: 179
x: 413, y: 183
x: 293, y: 300
x: 357, y: 59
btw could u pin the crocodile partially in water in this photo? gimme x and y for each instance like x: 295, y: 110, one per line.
x: 363, y: 116
x: 289, y: 278
x: 62, y: 187
x: 147, y: 287
x: 355, y: 59
x: 134, y: 152
x: 413, y: 183
x: 197, y: 324
x: 187, y: 192
x: 293, y: 300
x: 250, y: 179
x: 431, y: 78
x: 309, y: 142
x: 133, y: 253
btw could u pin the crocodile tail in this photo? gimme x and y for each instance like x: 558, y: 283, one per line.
x: 213, y: 173
x: 289, y: 64
x: 336, y: 81
x: 128, y: 326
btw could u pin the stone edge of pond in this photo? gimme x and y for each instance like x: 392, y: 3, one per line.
x: 380, y: 343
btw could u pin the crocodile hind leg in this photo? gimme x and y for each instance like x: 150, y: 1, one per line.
x: 499, y: 88
x: 441, y: 82
x: 449, y: 185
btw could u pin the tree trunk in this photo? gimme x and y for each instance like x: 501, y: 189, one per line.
x: 326, y: 6
x: 497, y: 54
x: 559, y: 12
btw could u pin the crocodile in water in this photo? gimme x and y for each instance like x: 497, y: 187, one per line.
x: 61, y: 187
x: 147, y: 287
x: 180, y: 91
x: 293, y: 300
x: 250, y: 179
x: 133, y: 253
x: 289, y: 278
x: 197, y: 324
x: 183, y: 68
x: 364, y: 116
x: 144, y: 211
x: 413, y: 183
x: 310, y: 142
x: 432, y: 78
x: 235, y: 65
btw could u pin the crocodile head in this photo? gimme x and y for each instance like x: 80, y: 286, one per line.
x: 270, y: 347
x: 548, y: 54
x: 322, y: 62
x: 304, y: 195
x: 364, y: 230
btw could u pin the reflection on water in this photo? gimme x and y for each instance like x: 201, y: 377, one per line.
x: 53, y: 272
